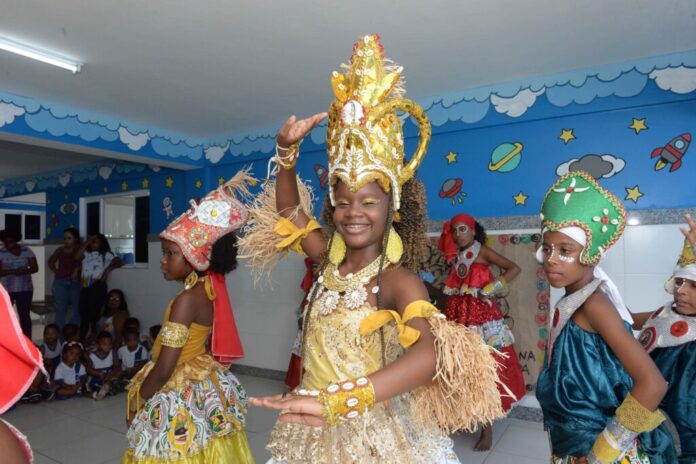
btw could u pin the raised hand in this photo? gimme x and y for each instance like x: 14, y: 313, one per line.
x: 293, y: 130
x: 689, y: 233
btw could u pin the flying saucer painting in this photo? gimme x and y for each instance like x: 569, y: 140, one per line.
x: 452, y: 190
x: 68, y: 208
x: 506, y: 157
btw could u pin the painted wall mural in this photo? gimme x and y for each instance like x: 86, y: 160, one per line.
x: 494, y: 150
x: 674, y: 74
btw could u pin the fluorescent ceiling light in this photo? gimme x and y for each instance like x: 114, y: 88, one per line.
x: 39, y: 55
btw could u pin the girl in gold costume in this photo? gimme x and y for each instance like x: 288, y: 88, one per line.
x: 385, y: 376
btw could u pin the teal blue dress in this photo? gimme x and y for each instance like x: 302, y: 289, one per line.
x: 678, y: 366
x: 579, y: 391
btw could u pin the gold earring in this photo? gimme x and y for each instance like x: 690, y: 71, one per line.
x: 191, y: 280
x: 337, y: 252
x: 395, y: 247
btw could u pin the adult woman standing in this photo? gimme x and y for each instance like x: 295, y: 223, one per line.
x: 97, y: 262
x: 66, y: 279
x: 17, y: 264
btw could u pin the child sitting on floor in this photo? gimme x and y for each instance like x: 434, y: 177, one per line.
x: 102, y: 368
x: 71, y: 333
x: 70, y: 375
x: 133, y: 355
x: 154, y: 332
x: 51, y: 348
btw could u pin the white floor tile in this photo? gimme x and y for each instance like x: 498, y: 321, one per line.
x: 112, y: 417
x: 27, y: 417
x: 261, y: 420
x: 464, y: 443
x: 497, y: 457
x: 257, y: 443
x: 67, y: 430
x: 101, y: 447
x: 85, y: 431
x: 41, y: 459
x: 525, y: 441
x: 77, y: 406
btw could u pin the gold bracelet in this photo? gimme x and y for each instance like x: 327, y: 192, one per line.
x: 347, y: 400
x: 290, y: 159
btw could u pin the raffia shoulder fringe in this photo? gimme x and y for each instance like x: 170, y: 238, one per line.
x: 258, y: 242
x: 464, y: 392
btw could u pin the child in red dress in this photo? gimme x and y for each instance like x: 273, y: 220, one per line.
x: 471, y: 290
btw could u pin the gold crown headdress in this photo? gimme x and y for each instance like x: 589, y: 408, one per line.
x: 686, y: 266
x: 365, y: 139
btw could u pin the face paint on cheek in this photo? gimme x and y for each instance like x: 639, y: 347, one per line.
x: 567, y: 259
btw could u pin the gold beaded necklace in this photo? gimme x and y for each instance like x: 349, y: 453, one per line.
x: 352, y: 286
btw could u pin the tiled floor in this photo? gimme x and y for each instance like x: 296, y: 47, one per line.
x: 86, y: 431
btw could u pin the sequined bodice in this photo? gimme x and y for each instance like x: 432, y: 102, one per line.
x: 335, y: 350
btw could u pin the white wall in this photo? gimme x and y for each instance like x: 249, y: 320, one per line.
x: 38, y: 279
x: 640, y: 263
x: 266, y: 319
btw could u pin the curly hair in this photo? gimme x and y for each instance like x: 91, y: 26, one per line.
x: 410, y: 226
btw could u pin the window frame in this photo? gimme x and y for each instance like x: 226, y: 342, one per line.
x: 100, y: 198
x: 24, y: 213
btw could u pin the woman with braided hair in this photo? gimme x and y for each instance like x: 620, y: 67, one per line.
x: 385, y: 375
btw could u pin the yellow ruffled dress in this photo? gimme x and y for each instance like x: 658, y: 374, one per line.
x: 410, y: 428
x: 198, y: 416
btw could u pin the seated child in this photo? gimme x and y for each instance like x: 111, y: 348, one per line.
x: 102, y: 367
x: 133, y: 355
x: 71, y: 333
x: 154, y: 332
x: 70, y: 375
x: 51, y: 350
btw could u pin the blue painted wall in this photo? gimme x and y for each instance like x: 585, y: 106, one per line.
x: 494, y: 150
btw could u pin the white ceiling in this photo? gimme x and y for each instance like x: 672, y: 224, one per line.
x: 20, y: 160
x: 214, y: 67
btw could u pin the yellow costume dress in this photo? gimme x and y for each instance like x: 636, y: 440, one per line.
x: 345, y: 338
x: 198, y: 416
x: 388, y: 434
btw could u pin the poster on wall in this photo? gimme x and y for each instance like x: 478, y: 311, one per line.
x: 526, y: 306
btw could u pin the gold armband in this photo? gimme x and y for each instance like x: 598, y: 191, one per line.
x: 620, y: 434
x: 293, y: 234
x: 347, y: 400
x: 407, y: 335
x: 173, y: 334
x: 636, y: 417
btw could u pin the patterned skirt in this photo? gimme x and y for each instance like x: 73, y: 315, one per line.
x: 200, y: 422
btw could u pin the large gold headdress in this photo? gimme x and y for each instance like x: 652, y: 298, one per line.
x: 365, y: 140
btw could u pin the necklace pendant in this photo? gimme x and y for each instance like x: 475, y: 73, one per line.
x: 355, y: 297
x: 328, y: 302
